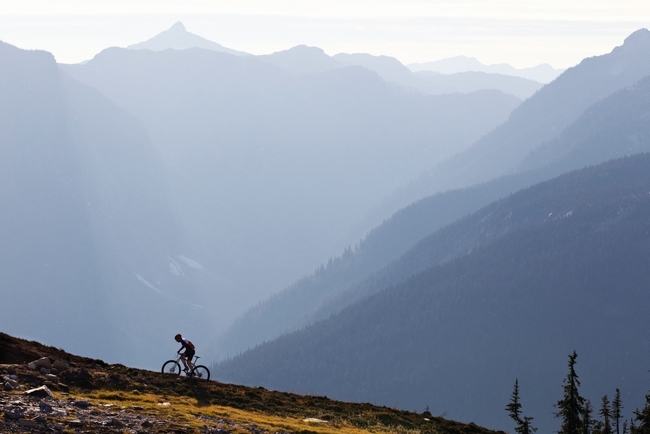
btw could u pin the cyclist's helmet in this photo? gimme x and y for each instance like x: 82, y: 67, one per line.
x: 178, y: 337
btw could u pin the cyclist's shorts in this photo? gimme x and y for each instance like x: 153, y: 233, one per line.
x: 189, y: 354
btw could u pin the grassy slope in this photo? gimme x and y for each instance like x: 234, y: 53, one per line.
x: 193, y: 406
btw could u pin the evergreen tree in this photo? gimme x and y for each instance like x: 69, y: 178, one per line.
x: 514, y: 411
x: 587, y: 421
x: 643, y: 418
x: 570, y: 407
x: 514, y: 406
x: 606, y: 413
x: 624, y: 427
x: 617, y: 406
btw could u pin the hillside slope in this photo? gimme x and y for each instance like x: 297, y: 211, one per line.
x: 93, y: 396
x: 570, y: 273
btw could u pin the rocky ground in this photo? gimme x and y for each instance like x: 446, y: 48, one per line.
x: 46, y: 390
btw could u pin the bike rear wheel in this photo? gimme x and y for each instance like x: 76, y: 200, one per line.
x: 171, y: 367
x: 201, y: 372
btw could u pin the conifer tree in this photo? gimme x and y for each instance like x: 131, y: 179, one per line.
x: 587, y: 421
x: 606, y: 413
x: 514, y: 406
x: 514, y: 411
x: 617, y: 406
x: 570, y: 407
x: 643, y: 418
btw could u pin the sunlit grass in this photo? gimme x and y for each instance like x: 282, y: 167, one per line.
x: 186, y: 412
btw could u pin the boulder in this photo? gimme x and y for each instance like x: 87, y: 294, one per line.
x: 60, y: 365
x: 43, y: 362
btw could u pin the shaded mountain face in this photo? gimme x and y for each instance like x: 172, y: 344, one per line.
x: 570, y: 273
x: 612, y: 128
x: 178, y: 38
x: 87, y: 232
x: 541, y: 118
x: 268, y: 167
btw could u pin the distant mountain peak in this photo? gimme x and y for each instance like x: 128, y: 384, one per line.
x: 177, y: 27
x: 640, y: 36
x: 178, y: 38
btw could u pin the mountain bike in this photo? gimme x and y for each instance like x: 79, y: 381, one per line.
x: 174, y: 367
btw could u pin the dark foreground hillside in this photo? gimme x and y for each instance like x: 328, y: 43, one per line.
x: 455, y: 336
x: 91, y: 396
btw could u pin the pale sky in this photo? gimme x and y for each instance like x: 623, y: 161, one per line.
x: 519, y: 32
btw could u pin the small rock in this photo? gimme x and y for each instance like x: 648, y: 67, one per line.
x: 116, y: 422
x: 40, y: 392
x: 75, y: 422
x: 45, y: 371
x: 41, y: 419
x: 45, y: 407
x: 8, y: 387
x: 82, y: 404
x: 146, y: 424
x: 32, y: 366
x: 53, y: 378
x: 137, y: 407
x: 14, y: 413
x: 12, y: 381
x: 61, y: 365
x: 27, y: 423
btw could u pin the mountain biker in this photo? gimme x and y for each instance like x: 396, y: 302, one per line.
x: 186, y: 357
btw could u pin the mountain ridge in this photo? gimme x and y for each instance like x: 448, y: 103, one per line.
x: 510, y: 308
x: 178, y: 38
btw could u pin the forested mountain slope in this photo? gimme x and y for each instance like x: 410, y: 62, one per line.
x: 268, y: 167
x: 612, y: 128
x: 86, y: 226
x: 570, y: 273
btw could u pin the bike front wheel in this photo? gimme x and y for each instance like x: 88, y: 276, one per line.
x: 201, y: 372
x: 171, y: 367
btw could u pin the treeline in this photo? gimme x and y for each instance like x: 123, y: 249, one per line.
x: 577, y: 412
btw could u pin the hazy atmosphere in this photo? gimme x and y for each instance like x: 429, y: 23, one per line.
x: 520, y: 33
x: 408, y: 204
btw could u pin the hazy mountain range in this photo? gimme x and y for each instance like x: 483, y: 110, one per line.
x: 611, y: 128
x: 175, y: 185
x: 266, y: 167
x: 544, y: 73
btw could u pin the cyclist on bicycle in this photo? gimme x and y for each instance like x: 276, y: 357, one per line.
x: 187, y: 356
